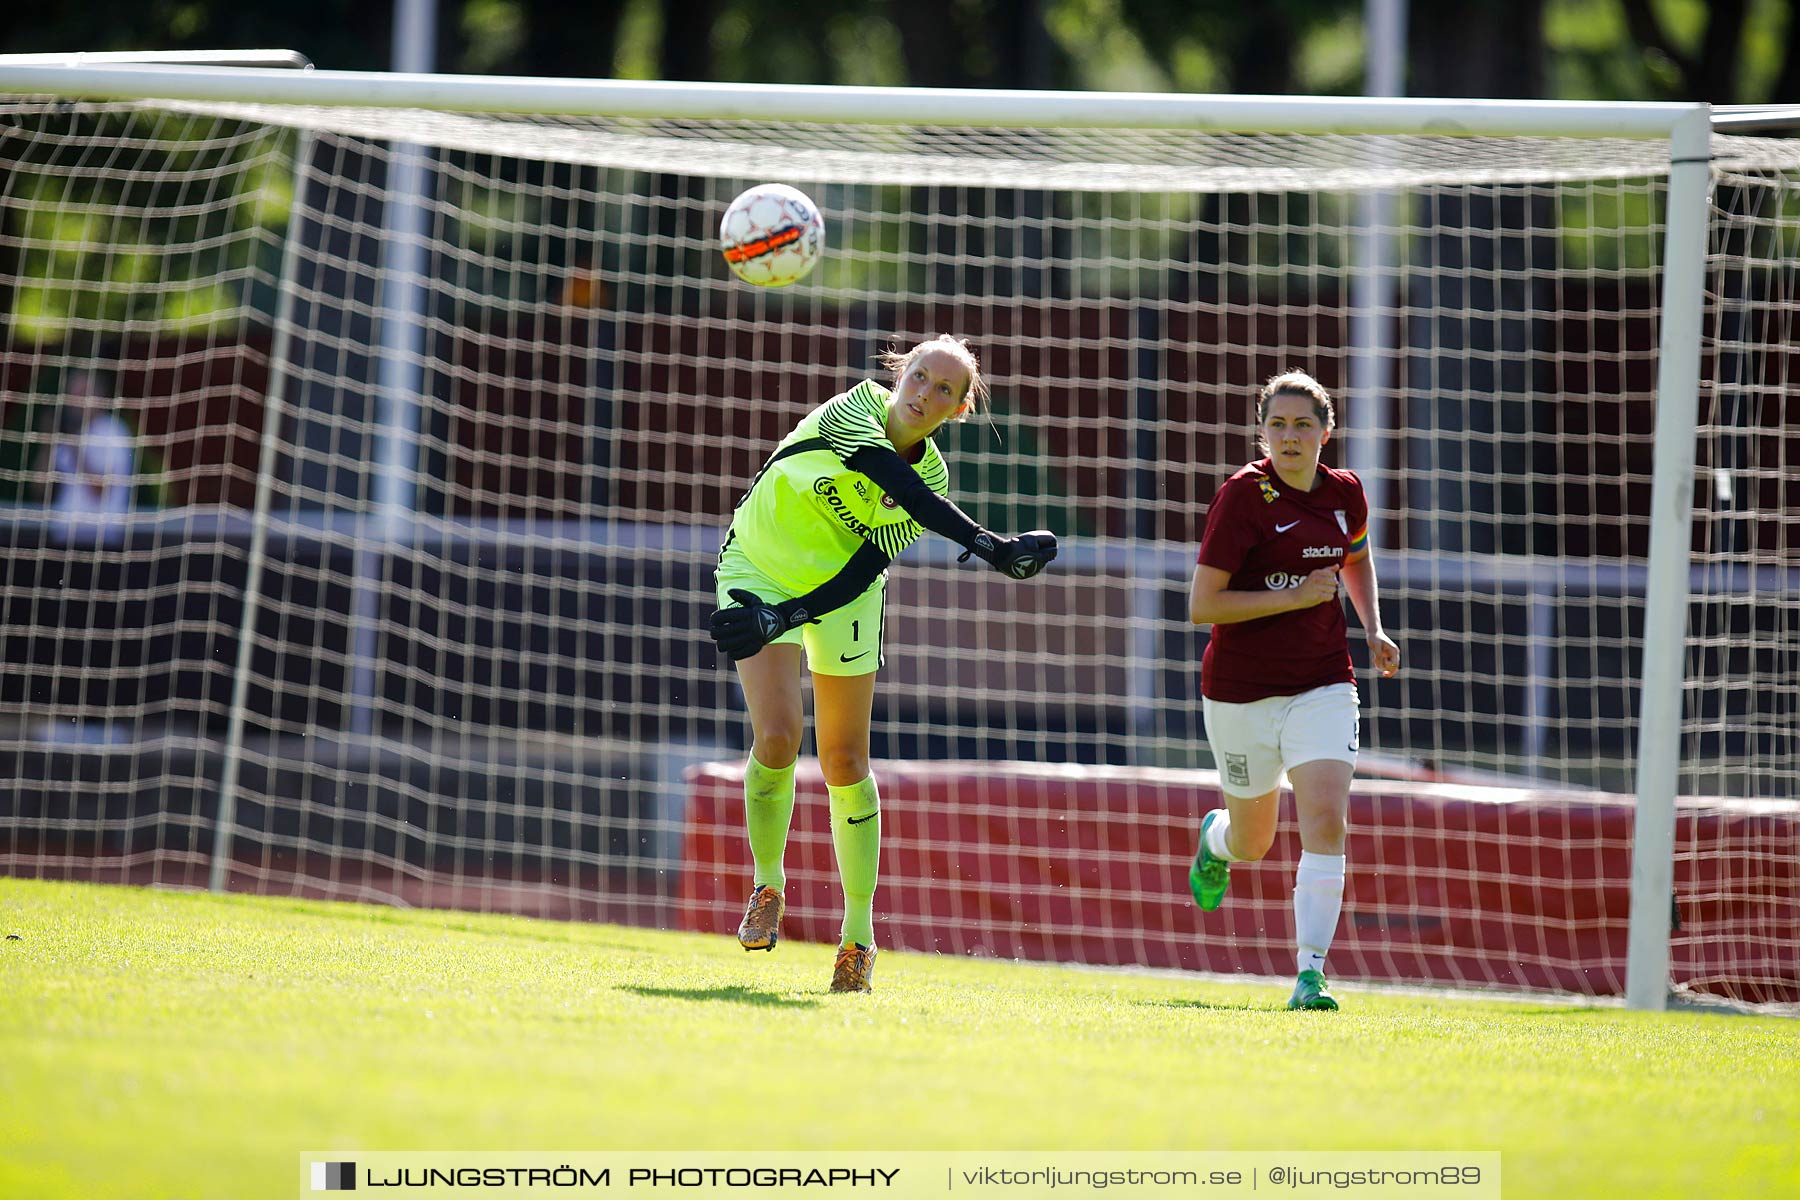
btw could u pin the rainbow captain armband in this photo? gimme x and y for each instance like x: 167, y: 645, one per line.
x: 1359, y: 543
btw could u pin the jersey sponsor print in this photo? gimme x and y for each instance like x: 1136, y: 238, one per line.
x: 1264, y: 534
x: 806, y: 512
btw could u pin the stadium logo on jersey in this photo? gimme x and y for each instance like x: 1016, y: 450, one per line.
x: 1342, y: 524
x: 862, y: 489
x: 1322, y: 552
x: 827, y: 492
x: 1269, y: 494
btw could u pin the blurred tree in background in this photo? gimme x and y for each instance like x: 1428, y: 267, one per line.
x: 1723, y: 51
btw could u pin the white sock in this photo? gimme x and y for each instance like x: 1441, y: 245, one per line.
x: 1215, y: 836
x: 1318, y: 898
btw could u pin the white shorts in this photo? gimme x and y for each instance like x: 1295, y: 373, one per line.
x: 1253, y: 743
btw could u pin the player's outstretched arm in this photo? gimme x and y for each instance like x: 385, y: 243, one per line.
x: 1020, y: 557
x: 743, y: 629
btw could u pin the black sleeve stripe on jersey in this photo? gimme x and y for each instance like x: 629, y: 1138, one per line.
x: 935, y: 472
x: 892, y: 539
x: 852, y: 423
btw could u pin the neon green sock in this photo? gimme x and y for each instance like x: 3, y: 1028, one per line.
x: 768, y: 811
x: 856, y: 836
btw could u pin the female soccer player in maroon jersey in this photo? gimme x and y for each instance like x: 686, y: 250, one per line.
x: 1278, y: 688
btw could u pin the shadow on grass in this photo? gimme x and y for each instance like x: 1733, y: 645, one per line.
x: 1215, y: 1006
x: 736, y: 994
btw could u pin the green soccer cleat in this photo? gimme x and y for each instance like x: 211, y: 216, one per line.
x: 1208, y: 877
x: 1311, y: 992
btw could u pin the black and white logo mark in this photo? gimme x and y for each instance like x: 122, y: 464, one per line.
x: 334, y: 1177
x: 769, y: 622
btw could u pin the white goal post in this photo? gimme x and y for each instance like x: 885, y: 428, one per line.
x: 1129, y: 265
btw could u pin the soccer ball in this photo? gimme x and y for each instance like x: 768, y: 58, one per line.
x: 772, y: 235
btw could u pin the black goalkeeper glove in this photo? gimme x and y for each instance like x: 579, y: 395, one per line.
x: 1021, y: 557
x: 742, y: 632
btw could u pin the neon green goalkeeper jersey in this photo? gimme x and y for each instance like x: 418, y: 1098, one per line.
x: 806, y: 512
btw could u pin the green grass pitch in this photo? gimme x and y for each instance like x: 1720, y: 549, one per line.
x: 155, y: 1044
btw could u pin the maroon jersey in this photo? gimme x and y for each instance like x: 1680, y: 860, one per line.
x: 1267, y: 535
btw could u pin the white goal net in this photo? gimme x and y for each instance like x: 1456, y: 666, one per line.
x: 434, y: 421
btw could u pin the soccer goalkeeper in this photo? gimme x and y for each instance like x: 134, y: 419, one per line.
x: 803, y: 569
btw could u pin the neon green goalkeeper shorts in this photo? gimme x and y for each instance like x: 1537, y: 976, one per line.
x: 845, y: 641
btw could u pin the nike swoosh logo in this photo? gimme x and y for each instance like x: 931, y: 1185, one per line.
x: 859, y: 820
x: 1285, y: 528
x: 853, y: 657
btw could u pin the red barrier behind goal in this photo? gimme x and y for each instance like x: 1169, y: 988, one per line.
x: 1448, y: 884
